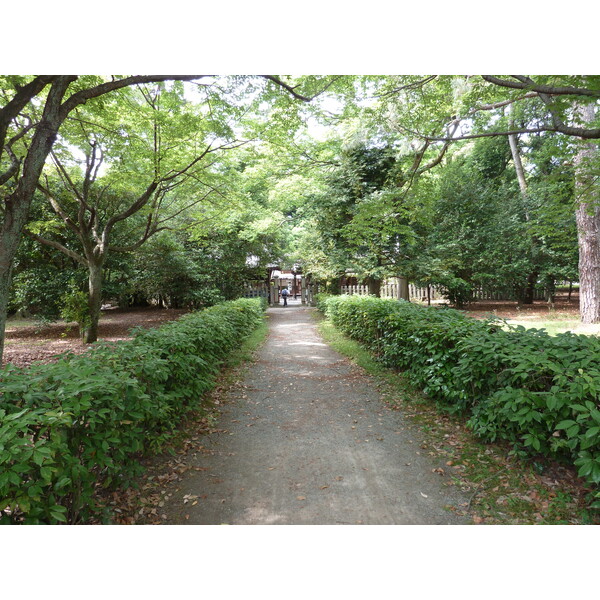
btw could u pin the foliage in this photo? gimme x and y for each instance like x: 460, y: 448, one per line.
x: 75, y: 308
x: 538, y: 392
x: 358, y: 219
x: 167, y: 273
x: 85, y: 421
x: 477, y: 229
x: 37, y: 290
x: 41, y: 275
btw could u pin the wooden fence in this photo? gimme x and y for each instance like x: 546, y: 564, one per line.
x: 255, y: 290
x: 483, y: 293
x: 418, y: 293
x: 390, y: 290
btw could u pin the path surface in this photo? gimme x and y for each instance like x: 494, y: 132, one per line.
x: 309, y: 441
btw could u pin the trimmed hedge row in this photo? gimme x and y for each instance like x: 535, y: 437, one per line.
x: 537, y: 391
x: 86, y: 420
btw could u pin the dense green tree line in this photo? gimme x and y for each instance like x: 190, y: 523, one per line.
x: 146, y: 188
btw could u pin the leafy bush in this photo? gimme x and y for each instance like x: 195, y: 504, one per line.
x: 75, y: 308
x: 536, y: 391
x: 38, y: 290
x: 85, y: 421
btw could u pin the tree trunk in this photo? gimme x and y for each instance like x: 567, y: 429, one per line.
x: 587, y: 217
x: 95, y: 300
x: 588, y: 230
x: 514, y: 149
x: 550, y: 291
x: 16, y: 207
x: 5, y: 273
x: 530, y: 289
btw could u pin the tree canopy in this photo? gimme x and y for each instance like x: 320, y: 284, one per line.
x: 178, y: 189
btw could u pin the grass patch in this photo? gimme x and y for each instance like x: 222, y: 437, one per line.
x: 557, y: 324
x: 502, y: 488
x: 245, y: 352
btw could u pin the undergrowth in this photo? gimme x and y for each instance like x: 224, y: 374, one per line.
x: 86, y: 421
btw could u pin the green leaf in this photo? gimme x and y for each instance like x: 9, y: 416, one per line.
x: 593, y: 431
x: 566, y: 424
x: 58, y: 516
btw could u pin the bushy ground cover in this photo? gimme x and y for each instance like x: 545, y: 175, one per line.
x: 86, y: 420
x: 538, y: 392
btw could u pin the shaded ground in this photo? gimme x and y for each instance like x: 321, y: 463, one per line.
x: 27, y: 342
x: 305, y: 438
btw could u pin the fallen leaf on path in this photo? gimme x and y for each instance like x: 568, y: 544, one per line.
x: 300, y: 498
x: 424, y: 495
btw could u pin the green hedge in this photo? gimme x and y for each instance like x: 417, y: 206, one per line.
x: 86, y: 420
x: 537, y: 391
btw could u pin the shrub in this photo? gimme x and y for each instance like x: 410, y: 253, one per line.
x: 85, y: 421
x: 536, y: 391
x: 75, y: 308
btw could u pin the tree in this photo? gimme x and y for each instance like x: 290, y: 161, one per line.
x: 26, y: 138
x: 32, y: 110
x: 95, y: 207
x: 587, y: 186
x: 448, y: 109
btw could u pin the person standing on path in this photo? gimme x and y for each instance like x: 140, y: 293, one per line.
x: 284, y: 295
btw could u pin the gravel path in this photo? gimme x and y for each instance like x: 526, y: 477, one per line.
x: 308, y: 440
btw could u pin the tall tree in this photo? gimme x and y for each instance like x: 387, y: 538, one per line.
x: 93, y: 207
x: 33, y: 109
x: 448, y: 109
x: 27, y: 135
x: 587, y: 189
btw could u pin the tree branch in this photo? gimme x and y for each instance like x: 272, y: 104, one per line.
x: 24, y: 95
x: 292, y: 89
x: 525, y: 83
x: 15, y: 164
x: 58, y: 246
x: 83, y: 96
x: 407, y: 86
x: 58, y: 209
x: 135, y: 207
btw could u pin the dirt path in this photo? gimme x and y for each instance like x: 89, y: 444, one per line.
x: 307, y: 440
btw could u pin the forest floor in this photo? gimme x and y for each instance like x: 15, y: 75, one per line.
x: 562, y: 316
x: 27, y: 341
x: 563, y: 308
